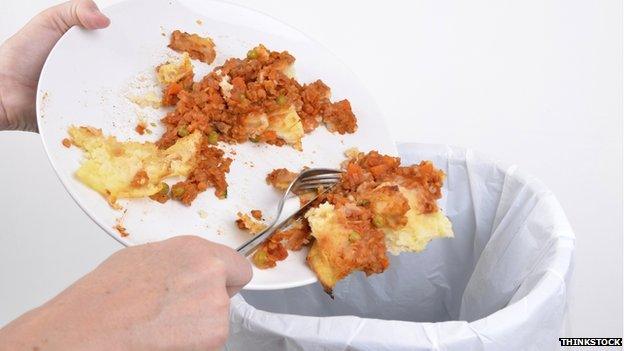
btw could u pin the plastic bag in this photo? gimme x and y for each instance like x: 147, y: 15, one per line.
x: 500, y: 284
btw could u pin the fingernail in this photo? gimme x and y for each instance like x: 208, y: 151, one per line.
x: 101, y: 21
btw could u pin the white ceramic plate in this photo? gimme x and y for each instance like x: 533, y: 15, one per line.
x: 88, y: 75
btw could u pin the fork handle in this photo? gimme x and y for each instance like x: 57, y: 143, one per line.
x: 252, y: 244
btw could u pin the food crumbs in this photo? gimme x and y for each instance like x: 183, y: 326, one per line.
x: 203, y: 214
x: 119, y: 226
x: 257, y: 214
x: 122, y: 230
x: 67, y: 143
x: 44, y: 103
x: 140, y: 128
x: 199, y: 22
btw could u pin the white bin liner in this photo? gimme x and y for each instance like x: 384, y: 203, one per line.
x: 500, y: 284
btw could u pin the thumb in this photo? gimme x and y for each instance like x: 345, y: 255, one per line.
x: 83, y: 13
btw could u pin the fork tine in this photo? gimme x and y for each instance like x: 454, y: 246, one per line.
x: 334, y: 177
x: 307, y: 180
x: 319, y: 171
x: 315, y: 178
x: 316, y: 185
x: 320, y: 181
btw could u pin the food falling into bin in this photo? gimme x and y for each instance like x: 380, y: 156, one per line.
x: 377, y: 206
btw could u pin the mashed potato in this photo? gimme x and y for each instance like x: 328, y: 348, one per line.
x: 420, y: 229
x: 130, y: 169
x: 174, y: 71
x: 149, y: 99
x: 287, y: 125
x: 331, y: 240
x: 226, y: 86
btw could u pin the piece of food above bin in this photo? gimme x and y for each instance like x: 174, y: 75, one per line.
x: 378, y: 206
x: 255, y: 99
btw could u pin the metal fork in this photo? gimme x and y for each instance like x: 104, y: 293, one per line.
x: 310, y: 179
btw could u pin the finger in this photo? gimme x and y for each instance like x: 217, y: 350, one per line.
x: 83, y: 13
x: 238, y: 268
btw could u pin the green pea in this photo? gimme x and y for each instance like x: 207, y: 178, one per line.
x: 252, y: 54
x: 164, y: 189
x: 213, y: 138
x: 354, y: 236
x: 281, y: 100
x: 364, y: 202
x: 177, y: 191
x: 378, y: 221
x: 183, y: 131
x: 261, y: 257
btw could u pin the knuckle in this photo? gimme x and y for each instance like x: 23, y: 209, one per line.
x: 247, y: 271
x: 214, y: 266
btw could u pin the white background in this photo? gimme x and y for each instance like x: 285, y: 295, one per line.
x: 537, y: 83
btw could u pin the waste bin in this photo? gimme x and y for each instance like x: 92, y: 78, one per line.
x: 499, y: 284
